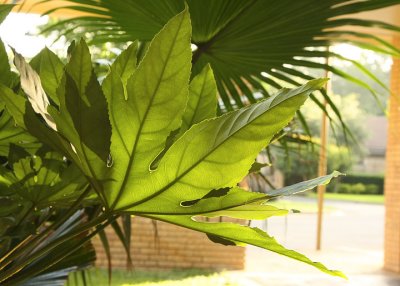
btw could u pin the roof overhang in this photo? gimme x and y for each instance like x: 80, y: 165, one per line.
x: 40, y: 7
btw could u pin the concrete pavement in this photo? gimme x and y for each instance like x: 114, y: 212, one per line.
x: 352, y: 242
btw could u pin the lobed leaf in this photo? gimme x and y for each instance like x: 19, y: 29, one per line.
x: 25, y: 117
x: 11, y: 134
x: 215, y: 153
x: 6, y: 76
x: 83, y: 117
x: 5, y: 9
x: 50, y: 69
x: 202, y: 103
x: 157, y: 94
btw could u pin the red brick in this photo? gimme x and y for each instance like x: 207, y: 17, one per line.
x: 392, y: 178
x: 173, y: 247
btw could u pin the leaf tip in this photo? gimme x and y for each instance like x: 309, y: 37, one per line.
x: 318, y: 83
x: 338, y: 274
x: 336, y: 174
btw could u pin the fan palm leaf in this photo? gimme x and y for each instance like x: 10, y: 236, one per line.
x: 249, y: 44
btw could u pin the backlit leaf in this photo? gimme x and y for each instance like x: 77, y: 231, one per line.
x: 157, y: 94
x: 202, y: 103
x: 32, y: 86
x: 50, y: 69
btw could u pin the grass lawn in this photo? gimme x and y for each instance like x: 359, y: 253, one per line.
x: 311, y: 207
x: 185, y: 277
x: 304, y: 207
x: 375, y: 199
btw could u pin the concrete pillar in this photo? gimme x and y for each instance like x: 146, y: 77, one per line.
x: 392, y: 174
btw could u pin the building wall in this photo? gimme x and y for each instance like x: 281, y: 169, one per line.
x: 392, y: 175
x: 158, y: 245
x: 371, y: 165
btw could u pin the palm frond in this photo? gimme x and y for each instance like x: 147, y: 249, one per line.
x: 242, y: 40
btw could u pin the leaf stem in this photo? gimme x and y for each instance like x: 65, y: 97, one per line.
x: 85, y: 227
x: 35, y: 240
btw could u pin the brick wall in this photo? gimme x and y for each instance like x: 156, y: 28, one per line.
x: 173, y: 247
x: 392, y: 175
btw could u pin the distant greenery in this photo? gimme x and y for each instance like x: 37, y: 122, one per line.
x: 358, y: 184
x: 365, y: 179
x: 357, y: 189
x: 301, y: 163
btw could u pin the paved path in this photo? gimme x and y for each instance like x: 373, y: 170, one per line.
x: 352, y: 242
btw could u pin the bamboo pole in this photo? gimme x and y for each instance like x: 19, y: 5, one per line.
x: 322, y: 163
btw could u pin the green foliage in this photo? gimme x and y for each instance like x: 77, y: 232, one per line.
x: 358, y: 184
x: 357, y: 189
x: 99, y: 145
x: 302, y: 162
x: 351, y: 189
x: 49, y: 66
x: 377, y: 180
x: 372, y: 189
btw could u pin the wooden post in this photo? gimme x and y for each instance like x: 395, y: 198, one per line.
x: 322, y: 162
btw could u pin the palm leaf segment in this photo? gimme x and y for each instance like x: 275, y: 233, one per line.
x: 249, y: 44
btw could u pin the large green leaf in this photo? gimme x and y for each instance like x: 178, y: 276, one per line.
x: 5, y: 9
x: 140, y: 108
x: 6, y: 76
x: 11, y: 134
x: 235, y: 202
x: 202, y: 103
x: 25, y: 117
x: 125, y: 64
x: 67, y: 190
x: 157, y: 94
x: 46, y: 179
x: 82, y: 111
x: 50, y: 69
x: 212, y: 155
